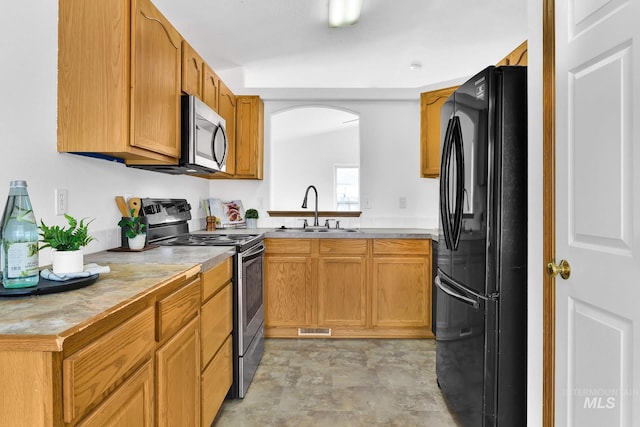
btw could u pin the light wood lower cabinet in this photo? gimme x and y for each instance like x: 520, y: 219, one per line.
x: 352, y: 287
x: 178, y: 378
x: 130, y: 405
x: 401, y: 278
x: 145, y: 363
x: 342, y: 282
x: 288, y: 296
x: 216, y: 381
x: 216, y: 324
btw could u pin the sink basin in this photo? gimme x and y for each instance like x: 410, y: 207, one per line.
x: 317, y: 230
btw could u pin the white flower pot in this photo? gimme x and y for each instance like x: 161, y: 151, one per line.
x: 65, y: 262
x: 137, y: 242
x: 252, y: 222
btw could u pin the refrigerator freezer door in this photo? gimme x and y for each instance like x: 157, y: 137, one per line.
x: 460, y: 353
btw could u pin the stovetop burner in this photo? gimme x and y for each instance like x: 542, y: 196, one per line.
x: 210, y: 240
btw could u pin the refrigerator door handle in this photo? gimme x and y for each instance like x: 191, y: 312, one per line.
x: 456, y: 136
x: 452, y: 283
x: 451, y: 292
x: 445, y: 165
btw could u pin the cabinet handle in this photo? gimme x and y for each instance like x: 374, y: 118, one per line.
x: 161, y: 25
x: 195, y: 62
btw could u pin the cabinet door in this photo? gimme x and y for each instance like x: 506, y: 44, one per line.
x: 192, y: 70
x: 210, y: 87
x: 430, y: 104
x: 287, y: 291
x: 130, y: 405
x: 401, y: 294
x: 342, y: 291
x: 249, y: 137
x: 519, y: 56
x: 155, y: 81
x: 227, y: 109
x: 216, y: 382
x: 178, y: 378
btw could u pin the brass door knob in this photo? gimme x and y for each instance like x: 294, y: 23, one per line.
x: 563, y: 269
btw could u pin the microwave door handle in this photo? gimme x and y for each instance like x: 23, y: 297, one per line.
x: 445, y: 212
x: 219, y: 162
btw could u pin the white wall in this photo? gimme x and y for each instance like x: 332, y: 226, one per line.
x: 310, y: 160
x: 389, y: 162
x: 28, y: 135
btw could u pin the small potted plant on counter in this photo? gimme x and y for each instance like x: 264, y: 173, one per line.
x: 66, y: 244
x: 251, y: 216
x: 135, y: 229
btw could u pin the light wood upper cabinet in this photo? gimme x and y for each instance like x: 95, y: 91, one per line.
x: 430, y: 122
x: 210, y: 87
x: 156, y: 63
x: 192, y: 71
x: 249, y: 137
x: 519, y: 56
x: 118, y: 81
x: 227, y: 109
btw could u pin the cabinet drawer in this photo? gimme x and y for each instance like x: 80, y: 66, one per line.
x: 89, y: 373
x: 343, y: 246
x: 176, y: 309
x: 288, y: 246
x: 216, y: 381
x: 402, y: 246
x: 215, y: 278
x: 131, y: 404
x: 216, y: 322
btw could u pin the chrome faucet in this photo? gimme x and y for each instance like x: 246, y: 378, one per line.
x: 316, y: 223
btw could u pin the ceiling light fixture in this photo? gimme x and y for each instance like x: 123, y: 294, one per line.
x: 343, y: 13
x: 415, y: 66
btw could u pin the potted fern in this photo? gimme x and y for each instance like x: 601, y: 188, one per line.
x: 251, y: 216
x: 135, y: 228
x: 66, y: 244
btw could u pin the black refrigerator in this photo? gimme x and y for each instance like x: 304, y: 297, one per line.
x: 481, y: 318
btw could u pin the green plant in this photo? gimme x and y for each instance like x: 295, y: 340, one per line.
x: 69, y: 238
x: 133, y: 225
x: 251, y: 213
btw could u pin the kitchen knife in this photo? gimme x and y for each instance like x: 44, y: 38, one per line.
x: 135, y: 204
x: 122, y: 206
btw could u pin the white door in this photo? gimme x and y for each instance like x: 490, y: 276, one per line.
x: 598, y: 212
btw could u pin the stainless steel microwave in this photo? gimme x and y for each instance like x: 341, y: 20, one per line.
x: 204, y: 145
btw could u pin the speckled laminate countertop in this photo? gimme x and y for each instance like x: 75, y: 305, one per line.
x: 50, y: 318
x: 361, y: 233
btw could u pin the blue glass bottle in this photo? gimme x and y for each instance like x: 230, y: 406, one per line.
x: 19, y: 239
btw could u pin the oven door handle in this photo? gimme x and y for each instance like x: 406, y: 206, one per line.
x: 255, y: 250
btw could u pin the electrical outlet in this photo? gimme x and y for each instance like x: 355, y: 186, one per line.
x: 61, y: 201
x: 403, y: 202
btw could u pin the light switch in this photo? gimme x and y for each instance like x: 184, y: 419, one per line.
x: 403, y: 202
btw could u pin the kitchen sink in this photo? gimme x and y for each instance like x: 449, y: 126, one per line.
x: 317, y: 230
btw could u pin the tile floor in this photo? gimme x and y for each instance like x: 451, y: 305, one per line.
x: 342, y: 383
